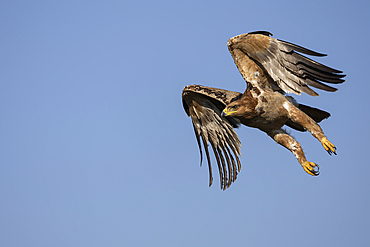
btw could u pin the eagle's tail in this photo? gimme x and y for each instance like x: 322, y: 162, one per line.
x: 314, y: 113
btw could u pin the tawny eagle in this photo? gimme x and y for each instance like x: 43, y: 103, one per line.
x: 271, y: 68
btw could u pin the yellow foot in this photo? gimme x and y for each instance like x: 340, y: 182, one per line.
x: 309, y: 167
x: 329, y: 147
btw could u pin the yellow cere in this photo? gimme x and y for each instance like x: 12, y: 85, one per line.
x: 228, y: 113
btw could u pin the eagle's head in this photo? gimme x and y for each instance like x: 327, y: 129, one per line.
x: 243, y: 108
x: 232, y: 110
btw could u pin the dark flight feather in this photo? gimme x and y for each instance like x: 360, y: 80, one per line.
x: 288, y: 69
x: 204, y: 105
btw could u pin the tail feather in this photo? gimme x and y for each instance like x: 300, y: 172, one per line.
x: 314, y: 113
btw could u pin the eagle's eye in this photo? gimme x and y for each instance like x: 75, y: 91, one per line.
x: 234, y: 107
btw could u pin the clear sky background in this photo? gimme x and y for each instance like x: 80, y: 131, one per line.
x: 96, y: 149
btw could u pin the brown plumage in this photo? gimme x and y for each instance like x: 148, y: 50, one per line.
x: 271, y: 68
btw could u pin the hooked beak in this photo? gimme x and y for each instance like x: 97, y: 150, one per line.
x: 224, y: 113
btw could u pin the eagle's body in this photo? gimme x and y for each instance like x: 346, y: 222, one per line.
x: 271, y: 68
x: 266, y: 110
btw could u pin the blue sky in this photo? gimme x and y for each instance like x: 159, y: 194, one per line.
x: 96, y: 150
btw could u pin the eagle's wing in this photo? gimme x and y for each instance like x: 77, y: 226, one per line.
x: 279, y: 61
x: 204, y: 105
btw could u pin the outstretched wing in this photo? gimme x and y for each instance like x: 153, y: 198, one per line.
x: 280, y: 63
x: 204, y: 105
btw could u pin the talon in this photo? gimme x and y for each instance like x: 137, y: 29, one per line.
x: 329, y: 147
x: 309, y: 167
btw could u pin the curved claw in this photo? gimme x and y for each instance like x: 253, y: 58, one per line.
x: 309, y: 167
x: 329, y: 147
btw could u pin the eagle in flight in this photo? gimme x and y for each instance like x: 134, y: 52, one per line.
x: 271, y: 68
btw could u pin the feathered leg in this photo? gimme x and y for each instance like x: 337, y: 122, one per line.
x: 309, y: 124
x: 284, y: 139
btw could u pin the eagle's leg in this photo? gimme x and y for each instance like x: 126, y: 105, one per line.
x: 284, y: 139
x: 309, y: 124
